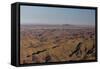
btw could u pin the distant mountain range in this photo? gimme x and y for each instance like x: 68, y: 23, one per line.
x: 59, y: 26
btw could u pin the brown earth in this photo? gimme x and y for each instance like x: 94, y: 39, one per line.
x: 56, y: 45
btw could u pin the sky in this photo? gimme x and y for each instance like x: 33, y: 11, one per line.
x: 53, y: 15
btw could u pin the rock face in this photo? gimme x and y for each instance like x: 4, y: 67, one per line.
x: 42, y: 45
x: 77, y: 50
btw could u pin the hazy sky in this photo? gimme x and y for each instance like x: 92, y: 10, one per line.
x: 52, y: 15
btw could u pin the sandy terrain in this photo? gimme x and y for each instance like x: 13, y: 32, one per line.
x: 40, y: 44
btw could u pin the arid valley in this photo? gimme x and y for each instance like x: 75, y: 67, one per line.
x: 56, y: 43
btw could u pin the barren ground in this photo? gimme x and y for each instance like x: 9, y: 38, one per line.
x: 54, y: 44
